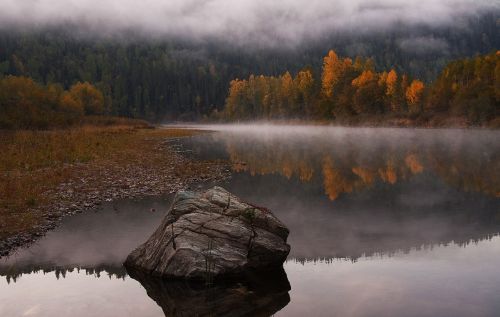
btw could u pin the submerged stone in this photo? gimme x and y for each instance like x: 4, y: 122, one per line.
x: 212, y: 234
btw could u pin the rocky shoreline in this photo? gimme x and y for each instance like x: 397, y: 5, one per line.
x: 94, y: 184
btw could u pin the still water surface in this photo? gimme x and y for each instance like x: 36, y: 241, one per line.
x: 384, y: 222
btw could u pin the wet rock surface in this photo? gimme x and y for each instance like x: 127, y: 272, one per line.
x: 211, y: 235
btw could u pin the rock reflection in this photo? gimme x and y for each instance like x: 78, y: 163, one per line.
x: 262, y: 295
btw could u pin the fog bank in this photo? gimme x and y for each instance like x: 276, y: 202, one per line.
x: 288, y: 22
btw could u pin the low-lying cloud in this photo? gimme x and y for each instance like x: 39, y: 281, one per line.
x: 237, y: 21
x: 424, y: 45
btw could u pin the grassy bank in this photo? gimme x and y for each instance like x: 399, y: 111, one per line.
x: 45, y: 174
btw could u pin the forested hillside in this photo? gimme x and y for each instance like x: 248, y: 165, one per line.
x: 467, y: 89
x: 171, y: 79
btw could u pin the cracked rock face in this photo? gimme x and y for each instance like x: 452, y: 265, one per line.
x: 210, y: 235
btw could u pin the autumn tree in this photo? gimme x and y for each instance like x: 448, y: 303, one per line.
x: 405, y: 83
x: 234, y: 100
x: 414, y: 95
x: 333, y: 70
x: 392, y: 91
x: 368, y: 97
x: 89, y: 96
x: 363, y: 79
x: 304, y: 83
x: 24, y: 103
x: 69, y: 104
x: 27, y: 104
x: 334, y: 78
x: 329, y: 76
x: 286, y: 95
x: 469, y: 88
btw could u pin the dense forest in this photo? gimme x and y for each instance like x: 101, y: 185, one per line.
x: 467, y: 88
x: 166, y: 79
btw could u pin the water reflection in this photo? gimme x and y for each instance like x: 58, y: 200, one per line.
x: 92, y: 247
x: 354, y: 192
x: 95, y: 242
x: 13, y: 273
x: 261, y: 295
x: 445, y: 281
x: 344, y: 160
x: 383, y: 222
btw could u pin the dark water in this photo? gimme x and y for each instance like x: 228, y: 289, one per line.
x: 384, y: 222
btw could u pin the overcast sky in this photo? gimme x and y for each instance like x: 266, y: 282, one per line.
x: 240, y: 21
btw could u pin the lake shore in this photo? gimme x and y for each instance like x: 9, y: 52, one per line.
x: 386, y: 121
x: 47, y: 175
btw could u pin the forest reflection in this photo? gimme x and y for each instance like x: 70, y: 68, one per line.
x: 357, y: 192
x: 344, y: 194
x: 12, y: 275
x: 352, y: 162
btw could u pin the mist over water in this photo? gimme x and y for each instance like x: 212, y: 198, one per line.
x: 382, y: 222
x: 349, y: 192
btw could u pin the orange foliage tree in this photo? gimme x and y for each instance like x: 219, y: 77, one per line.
x: 465, y: 88
x: 25, y: 104
x: 89, y: 96
x: 414, y: 95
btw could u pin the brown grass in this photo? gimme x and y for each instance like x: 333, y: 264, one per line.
x: 33, y: 164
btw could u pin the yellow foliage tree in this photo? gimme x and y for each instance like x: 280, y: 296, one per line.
x: 363, y: 79
x: 414, y: 95
x: 69, y: 104
x: 333, y: 70
x: 304, y: 83
x: 392, y: 90
x: 391, y: 81
x: 89, y: 96
x: 233, y: 101
x: 286, y: 88
x: 382, y: 79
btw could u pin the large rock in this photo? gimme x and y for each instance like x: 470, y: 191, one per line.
x: 210, y: 235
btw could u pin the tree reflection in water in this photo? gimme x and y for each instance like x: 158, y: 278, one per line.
x: 343, y: 193
x: 351, y: 160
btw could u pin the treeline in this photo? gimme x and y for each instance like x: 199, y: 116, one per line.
x: 141, y: 79
x: 469, y: 88
x: 160, y: 79
x: 25, y: 104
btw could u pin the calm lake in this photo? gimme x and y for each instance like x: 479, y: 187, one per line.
x: 383, y: 222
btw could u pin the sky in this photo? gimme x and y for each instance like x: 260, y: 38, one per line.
x: 238, y: 21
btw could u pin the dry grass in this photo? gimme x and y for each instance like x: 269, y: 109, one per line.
x: 35, y: 163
